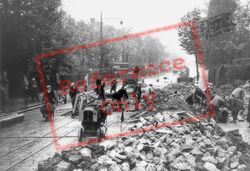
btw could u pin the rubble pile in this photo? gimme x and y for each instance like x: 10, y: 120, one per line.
x: 196, y: 146
x: 173, y: 96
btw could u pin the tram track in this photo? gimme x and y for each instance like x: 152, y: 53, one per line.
x: 44, y: 135
x: 39, y: 150
x: 43, y: 123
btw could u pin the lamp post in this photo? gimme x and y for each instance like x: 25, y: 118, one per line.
x: 101, y: 39
x: 101, y: 47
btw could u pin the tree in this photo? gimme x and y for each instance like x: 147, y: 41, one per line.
x: 226, y: 46
x: 28, y: 27
x: 185, y: 33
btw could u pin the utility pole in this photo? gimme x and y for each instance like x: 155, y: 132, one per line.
x: 101, y: 46
x: 101, y: 39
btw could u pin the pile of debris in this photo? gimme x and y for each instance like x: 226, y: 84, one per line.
x: 189, y: 146
x: 173, y: 96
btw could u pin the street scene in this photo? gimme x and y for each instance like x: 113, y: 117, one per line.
x: 125, y: 85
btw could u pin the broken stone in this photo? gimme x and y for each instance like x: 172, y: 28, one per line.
x: 141, y: 164
x: 139, y: 168
x: 87, y: 162
x: 139, y: 147
x: 210, y: 159
x: 121, y: 146
x: 94, y: 167
x: 189, y: 141
x: 180, y: 166
x: 63, y: 166
x: 150, y: 155
x: 175, y: 145
x: 172, y: 155
x: 119, y: 156
x: 196, y: 151
x: 113, y: 156
x: 151, y: 167
x: 125, y: 166
x: 72, y: 156
x: 232, y: 149
x: 241, y: 167
x: 108, y: 144
x: 97, y: 150
x: 210, y: 167
x: 102, y: 168
x: 105, y: 160
x: 221, y: 141
x: 49, y: 163
x: 208, y: 142
x: 114, y: 167
x: 234, y: 165
x: 86, y: 152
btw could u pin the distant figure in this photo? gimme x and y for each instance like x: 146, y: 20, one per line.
x: 102, y: 91
x: 57, y: 87
x: 113, y: 85
x: 86, y: 82
x: 72, y: 93
x: 236, y: 102
x: 137, y: 92
x: 149, y: 98
x: 197, y: 97
x: 219, y: 103
x: 98, y: 85
x: 51, y: 101
x: 137, y: 96
x: 51, y: 95
x: 34, y: 90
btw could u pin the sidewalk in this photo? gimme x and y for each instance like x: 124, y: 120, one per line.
x: 241, y: 126
x: 17, y: 104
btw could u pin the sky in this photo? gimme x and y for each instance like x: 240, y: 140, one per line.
x: 139, y: 15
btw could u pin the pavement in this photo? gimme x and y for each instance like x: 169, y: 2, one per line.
x: 16, y: 104
x: 13, y: 111
x: 241, y: 127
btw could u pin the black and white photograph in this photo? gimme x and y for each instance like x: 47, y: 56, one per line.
x: 120, y: 85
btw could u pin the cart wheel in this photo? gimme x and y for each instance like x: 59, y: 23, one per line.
x: 80, y: 135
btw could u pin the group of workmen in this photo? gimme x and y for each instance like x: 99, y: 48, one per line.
x: 100, y: 89
x: 236, y: 103
x: 122, y: 94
